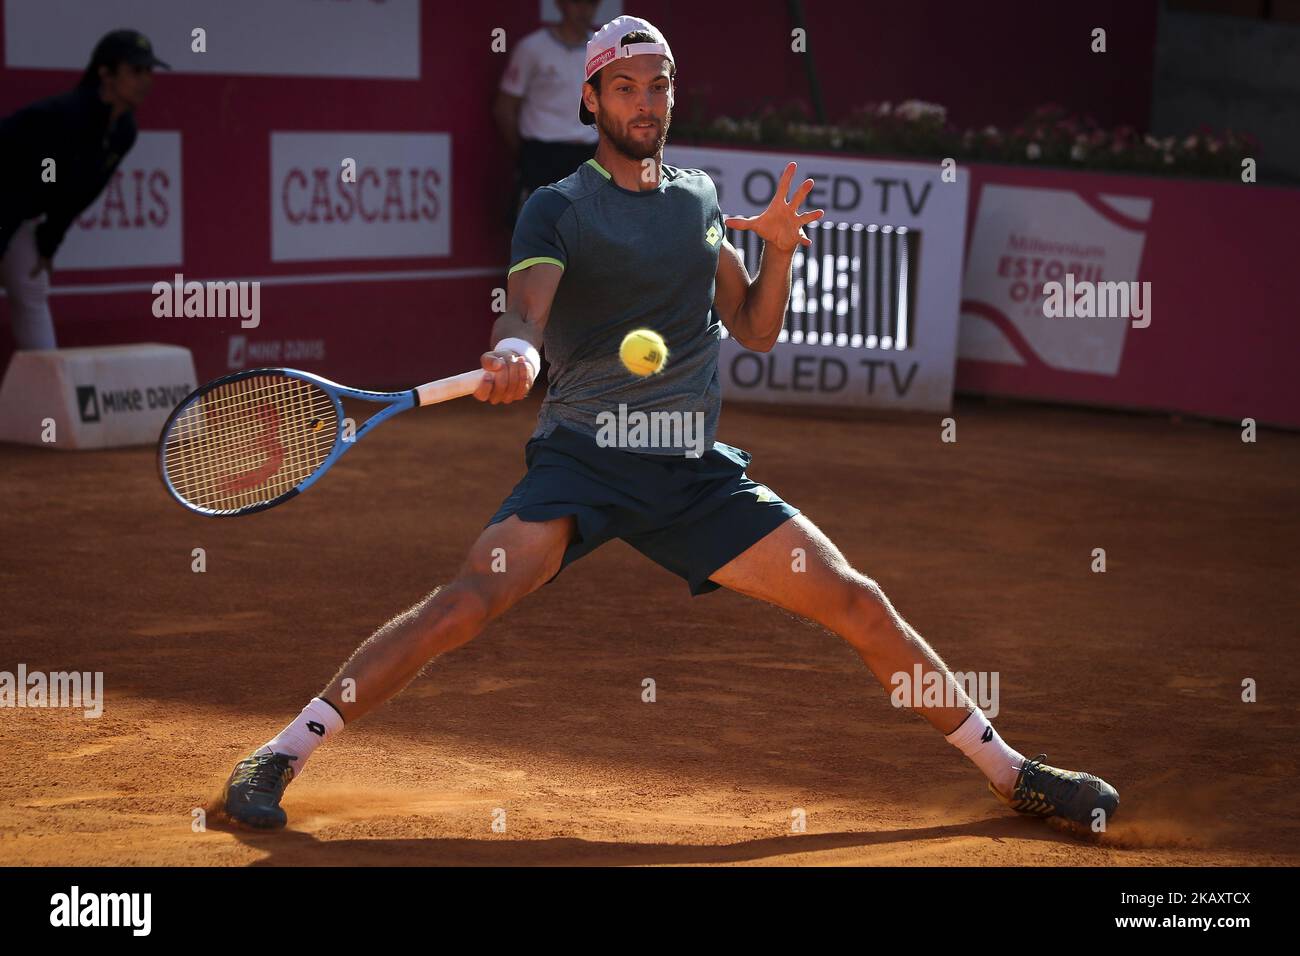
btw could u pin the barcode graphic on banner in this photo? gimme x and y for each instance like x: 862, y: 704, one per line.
x: 855, y: 286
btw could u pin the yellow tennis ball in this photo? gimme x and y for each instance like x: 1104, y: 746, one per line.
x: 643, y: 352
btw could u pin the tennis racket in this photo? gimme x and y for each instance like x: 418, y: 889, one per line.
x: 253, y: 440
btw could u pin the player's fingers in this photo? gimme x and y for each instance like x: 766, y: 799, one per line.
x: 738, y: 222
x: 804, y: 240
x: 504, y: 387
x: 804, y: 189
x: 498, y: 386
x: 492, y: 363
x: 484, y: 391
x: 517, y: 369
x: 811, y: 216
x: 787, y: 177
x: 525, y: 382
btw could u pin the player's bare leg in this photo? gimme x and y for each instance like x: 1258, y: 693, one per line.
x: 453, y: 614
x: 832, y: 593
x: 838, y: 597
x: 483, y: 589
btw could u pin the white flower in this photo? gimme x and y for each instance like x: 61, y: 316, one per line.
x: 1077, y: 152
x: 990, y: 131
x: 1190, y: 142
x: 1151, y: 141
x: 918, y: 109
x: 1169, y: 159
x: 885, y: 109
x: 1033, y: 151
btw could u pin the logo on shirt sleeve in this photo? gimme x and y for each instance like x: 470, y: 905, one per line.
x: 713, y: 235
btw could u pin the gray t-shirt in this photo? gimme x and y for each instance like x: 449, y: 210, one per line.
x: 631, y: 260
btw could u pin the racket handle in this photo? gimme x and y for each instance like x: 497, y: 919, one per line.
x: 445, y: 389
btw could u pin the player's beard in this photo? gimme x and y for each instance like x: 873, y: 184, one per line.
x: 637, y: 149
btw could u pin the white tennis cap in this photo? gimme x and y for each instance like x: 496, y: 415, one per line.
x: 605, y: 47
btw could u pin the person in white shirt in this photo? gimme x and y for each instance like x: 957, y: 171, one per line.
x: 534, y: 106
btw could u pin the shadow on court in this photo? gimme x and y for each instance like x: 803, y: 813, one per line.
x: 985, y: 545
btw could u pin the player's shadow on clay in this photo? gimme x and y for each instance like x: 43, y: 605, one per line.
x: 295, y: 848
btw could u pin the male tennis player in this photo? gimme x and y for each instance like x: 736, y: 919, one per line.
x: 623, y: 243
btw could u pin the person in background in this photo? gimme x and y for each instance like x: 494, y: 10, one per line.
x: 534, y: 106
x: 86, y: 132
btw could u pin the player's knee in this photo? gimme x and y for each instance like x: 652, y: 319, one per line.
x: 466, y: 602
x: 502, y: 576
x: 866, y: 613
x: 450, y: 616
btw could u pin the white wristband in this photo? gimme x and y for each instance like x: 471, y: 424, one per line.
x: 525, y: 349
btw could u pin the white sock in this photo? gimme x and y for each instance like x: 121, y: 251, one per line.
x: 977, y: 739
x: 317, y: 722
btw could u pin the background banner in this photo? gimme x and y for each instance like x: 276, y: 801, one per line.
x: 277, y: 38
x: 873, y: 315
x: 138, y: 220
x: 1218, y: 257
x: 398, y: 206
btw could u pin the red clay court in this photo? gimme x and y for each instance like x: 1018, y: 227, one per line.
x: 984, y: 544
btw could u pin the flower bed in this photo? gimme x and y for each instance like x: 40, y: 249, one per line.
x: 1048, y: 137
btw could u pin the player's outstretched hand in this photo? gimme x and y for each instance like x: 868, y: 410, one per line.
x: 781, y: 224
x: 508, y: 378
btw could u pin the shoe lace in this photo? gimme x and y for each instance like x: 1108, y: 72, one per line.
x: 1037, y: 779
x: 265, y: 772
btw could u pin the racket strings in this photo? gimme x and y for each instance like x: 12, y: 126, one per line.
x: 248, y: 442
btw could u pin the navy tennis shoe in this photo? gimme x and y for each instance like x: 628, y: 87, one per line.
x: 1044, y: 791
x: 253, y: 792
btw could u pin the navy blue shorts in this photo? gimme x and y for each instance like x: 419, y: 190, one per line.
x: 689, y: 515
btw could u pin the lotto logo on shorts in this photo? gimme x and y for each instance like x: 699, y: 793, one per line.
x: 713, y: 235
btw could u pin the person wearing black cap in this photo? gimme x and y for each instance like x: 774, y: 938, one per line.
x: 86, y: 133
